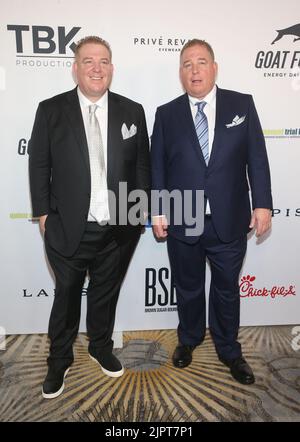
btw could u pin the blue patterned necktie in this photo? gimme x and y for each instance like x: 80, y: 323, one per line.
x: 201, y: 126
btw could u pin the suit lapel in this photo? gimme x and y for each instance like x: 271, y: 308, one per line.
x: 221, y: 111
x: 185, y: 120
x: 74, y: 115
x: 113, y: 136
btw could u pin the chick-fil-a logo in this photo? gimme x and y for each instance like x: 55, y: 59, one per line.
x: 247, y: 290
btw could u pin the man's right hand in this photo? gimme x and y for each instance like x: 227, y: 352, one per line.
x: 160, y: 226
x: 42, y: 221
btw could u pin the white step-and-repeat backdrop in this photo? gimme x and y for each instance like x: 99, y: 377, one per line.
x: 36, y: 40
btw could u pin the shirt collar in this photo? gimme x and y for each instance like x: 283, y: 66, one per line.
x: 210, y: 98
x: 85, y: 102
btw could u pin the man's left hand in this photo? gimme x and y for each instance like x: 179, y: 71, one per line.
x: 261, y: 221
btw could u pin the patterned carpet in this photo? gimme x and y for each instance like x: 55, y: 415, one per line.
x: 152, y: 390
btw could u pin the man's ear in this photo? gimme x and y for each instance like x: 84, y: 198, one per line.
x: 74, y: 72
x: 74, y: 68
x: 216, y: 67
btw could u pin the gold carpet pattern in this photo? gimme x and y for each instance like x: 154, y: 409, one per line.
x: 152, y: 390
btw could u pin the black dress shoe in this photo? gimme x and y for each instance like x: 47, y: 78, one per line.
x: 182, y: 356
x: 54, y: 385
x: 109, y: 364
x: 240, y: 370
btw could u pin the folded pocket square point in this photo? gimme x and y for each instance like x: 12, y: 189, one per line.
x: 236, y: 121
x: 128, y: 133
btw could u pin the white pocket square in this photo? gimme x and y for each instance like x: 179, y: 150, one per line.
x: 128, y: 133
x: 236, y: 121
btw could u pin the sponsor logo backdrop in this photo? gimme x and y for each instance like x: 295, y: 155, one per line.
x: 258, y: 50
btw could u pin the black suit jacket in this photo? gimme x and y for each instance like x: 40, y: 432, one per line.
x: 59, y: 168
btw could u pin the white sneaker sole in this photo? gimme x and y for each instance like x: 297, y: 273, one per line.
x: 58, y: 392
x: 112, y: 374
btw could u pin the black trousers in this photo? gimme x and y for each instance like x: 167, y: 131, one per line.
x: 188, y: 262
x: 106, y: 263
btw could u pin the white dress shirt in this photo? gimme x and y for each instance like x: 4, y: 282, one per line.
x: 102, y: 117
x: 210, y: 112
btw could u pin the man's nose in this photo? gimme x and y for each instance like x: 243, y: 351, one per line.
x: 97, y: 67
x: 195, y: 68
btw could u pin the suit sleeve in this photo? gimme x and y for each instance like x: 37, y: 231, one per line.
x: 158, y: 162
x: 39, y: 165
x: 258, y: 165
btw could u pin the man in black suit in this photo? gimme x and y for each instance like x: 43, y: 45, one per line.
x: 84, y: 143
x: 210, y: 139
